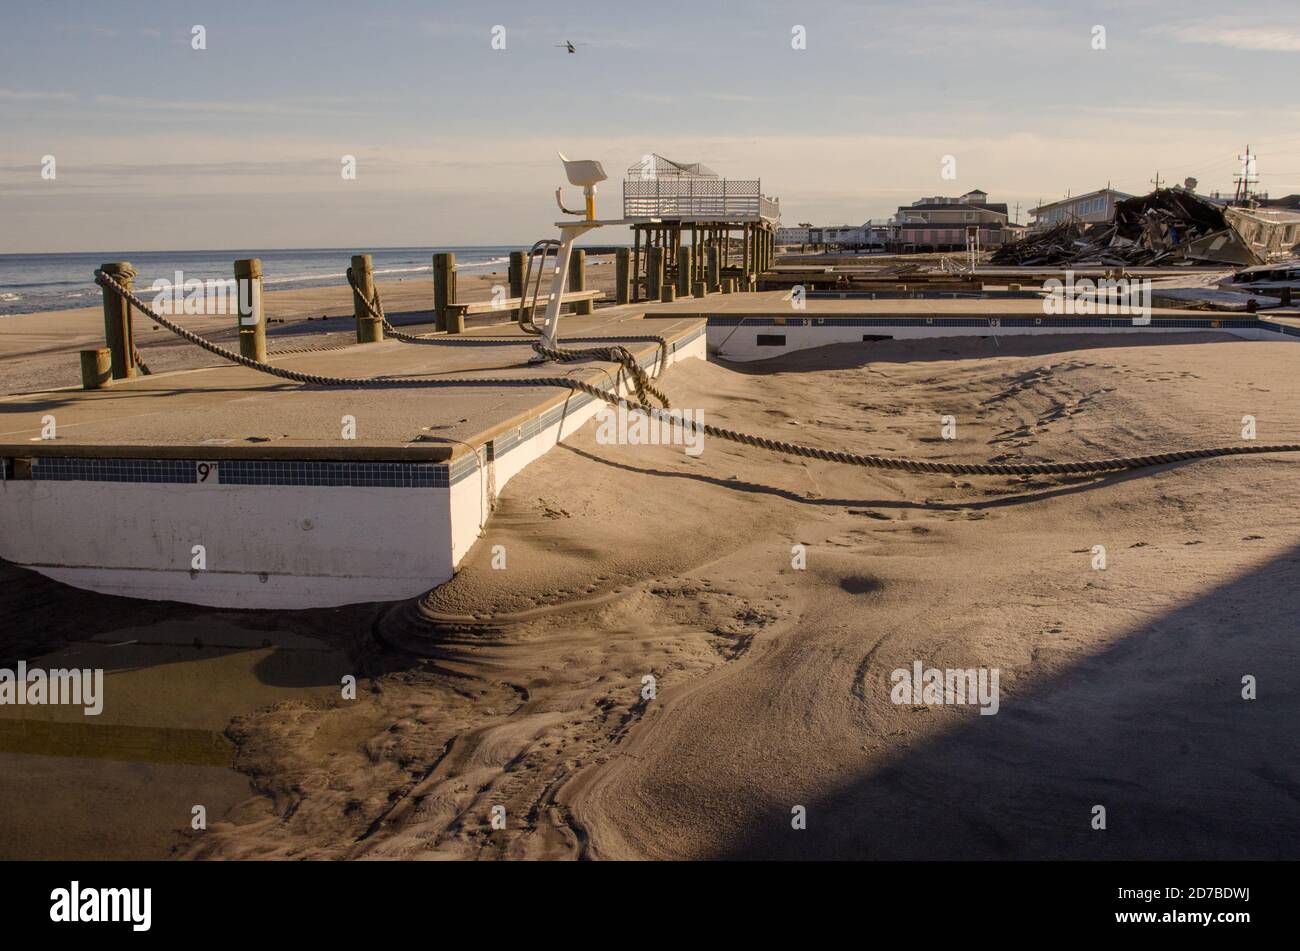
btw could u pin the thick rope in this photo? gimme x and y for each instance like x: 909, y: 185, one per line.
x: 139, y: 361
x: 377, y: 311
x: 773, y: 445
x: 614, y: 354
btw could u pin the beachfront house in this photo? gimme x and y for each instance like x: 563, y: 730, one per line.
x: 945, y: 224
x: 1273, y: 231
x: 797, y: 234
x: 1089, y: 208
x: 868, y: 236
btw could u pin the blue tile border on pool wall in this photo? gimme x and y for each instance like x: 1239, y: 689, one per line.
x: 1187, y: 323
x: 400, y: 475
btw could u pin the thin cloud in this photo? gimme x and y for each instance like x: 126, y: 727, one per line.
x: 1273, y: 39
x: 35, y: 95
x: 217, y: 107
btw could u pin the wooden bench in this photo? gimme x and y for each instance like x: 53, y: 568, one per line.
x: 513, y: 303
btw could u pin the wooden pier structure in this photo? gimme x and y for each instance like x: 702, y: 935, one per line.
x: 693, y: 232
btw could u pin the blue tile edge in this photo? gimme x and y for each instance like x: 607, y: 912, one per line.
x: 398, y: 475
x: 1225, y: 322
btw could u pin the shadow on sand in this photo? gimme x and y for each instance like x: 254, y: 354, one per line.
x: 855, y: 356
x: 1153, y: 728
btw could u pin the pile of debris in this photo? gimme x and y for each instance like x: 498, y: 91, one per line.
x: 1168, y: 226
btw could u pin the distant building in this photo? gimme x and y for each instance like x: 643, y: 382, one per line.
x: 844, y: 236
x: 1272, y: 232
x: 795, y: 235
x: 945, y: 224
x: 1091, y: 208
x: 870, y: 235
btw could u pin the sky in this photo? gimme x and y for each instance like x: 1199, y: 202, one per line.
x: 161, y: 146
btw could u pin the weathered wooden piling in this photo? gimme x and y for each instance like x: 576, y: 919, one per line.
x: 518, y: 262
x: 746, y: 244
x: 684, y: 271
x: 117, y: 320
x: 578, y: 281
x: 369, y: 328
x: 699, y: 289
x: 654, y: 273
x: 248, y: 305
x: 444, y: 287
x: 636, y: 264
x: 96, y: 368
x: 455, y: 319
x: 713, y: 269
x: 622, y: 276
x: 667, y: 294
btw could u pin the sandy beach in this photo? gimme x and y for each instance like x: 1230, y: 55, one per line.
x: 525, y: 688
x: 39, y: 351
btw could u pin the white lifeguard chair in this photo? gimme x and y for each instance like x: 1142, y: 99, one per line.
x: 585, y: 174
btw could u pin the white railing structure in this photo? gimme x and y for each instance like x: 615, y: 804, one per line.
x: 701, y: 199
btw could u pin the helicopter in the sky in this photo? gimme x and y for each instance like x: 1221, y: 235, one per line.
x: 570, y: 46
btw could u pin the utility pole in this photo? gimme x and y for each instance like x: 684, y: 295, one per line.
x: 1155, y: 181
x: 1247, y: 177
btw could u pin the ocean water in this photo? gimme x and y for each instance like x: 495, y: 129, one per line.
x: 30, y: 283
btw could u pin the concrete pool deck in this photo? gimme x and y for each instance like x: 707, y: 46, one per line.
x: 232, y: 412
x: 228, y: 487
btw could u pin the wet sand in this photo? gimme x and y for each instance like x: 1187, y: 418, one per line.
x: 523, y: 688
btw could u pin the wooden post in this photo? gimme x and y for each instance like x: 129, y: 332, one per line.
x: 667, y: 294
x: 636, y: 263
x: 444, y: 287
x: 677, y: 252
x: 117, y: 320
x: 96, y: 368
x: 684, y: 256
x: 622, y: 264
x: 369, y: 329
x: 699, y: 289
x: 456, y: 318
x: 654, y: 273
x: 713, y: 276
x: 518, y: 261
x: 578, y: 281
x: 744, y: 253
x: 252, y: 319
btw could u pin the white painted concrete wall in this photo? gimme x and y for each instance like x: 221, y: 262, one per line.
x: 267, y: 546
x: 740, y: 344
x: 468, y: 502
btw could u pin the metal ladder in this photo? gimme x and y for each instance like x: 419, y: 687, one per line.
x: 528, y: 302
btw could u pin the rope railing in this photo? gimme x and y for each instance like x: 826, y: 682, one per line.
x: 614, y: 354
x: 1083, y: 467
